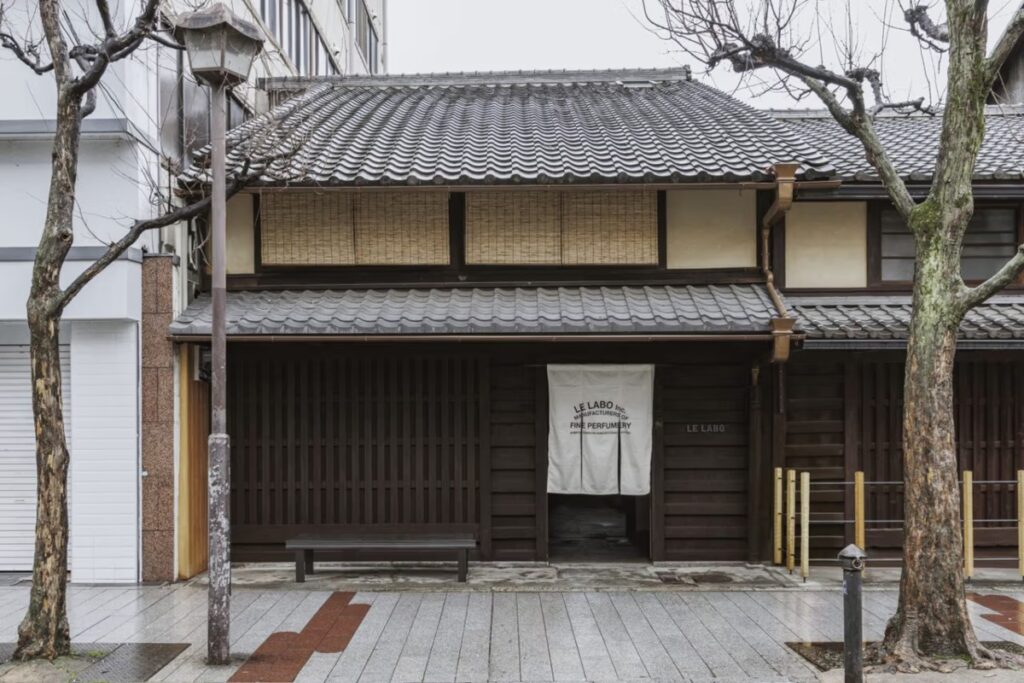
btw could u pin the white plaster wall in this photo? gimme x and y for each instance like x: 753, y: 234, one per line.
x: 711, y: 228
x: 31, y: 96
x: 115, y: 178
x: 104, y: 510
x: 109, y: 194
x: 115, y: 294
x: 826, y: 245
x: 240, y: 242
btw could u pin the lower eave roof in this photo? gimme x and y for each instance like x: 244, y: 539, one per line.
x: 838, y: 321
x: 486, y: 311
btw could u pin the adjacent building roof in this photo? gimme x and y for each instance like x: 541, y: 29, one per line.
x: 879, y: 321
x: 519, y: 127
x: 654, y: 310
x: 912, y: 143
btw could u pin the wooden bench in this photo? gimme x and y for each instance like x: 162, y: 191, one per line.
x: 305, y: 545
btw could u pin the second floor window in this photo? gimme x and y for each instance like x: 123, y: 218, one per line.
x: 335, y: 228
x: 289, y: 23
x: 991, y: 239
x: 574, y: 228
x: 366, y: 36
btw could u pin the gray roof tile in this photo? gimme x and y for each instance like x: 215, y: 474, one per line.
x: 887, y: 318
x: 912, y: 143
x: 634, y: 126
x: 711, y: 309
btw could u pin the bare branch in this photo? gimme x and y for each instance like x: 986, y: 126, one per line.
x: 166, y: 42
x: 108, y: 24
x: 27, y: 54
x: 182, y: 213
x: 711, y: 31
x: 1005, y: 46
x: 1007, y: 275
x: 117, y: 46
x: 922, y: 27
x: 860, y: 126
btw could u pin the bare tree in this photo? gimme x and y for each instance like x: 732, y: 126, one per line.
x: 932, y: 619
x: 77, y: 67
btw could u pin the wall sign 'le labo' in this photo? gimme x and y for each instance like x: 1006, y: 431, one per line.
x: 706, y: 428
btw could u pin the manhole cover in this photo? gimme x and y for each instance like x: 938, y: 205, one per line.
x: 711, y: 577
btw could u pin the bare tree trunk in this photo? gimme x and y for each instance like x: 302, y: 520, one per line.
x: 931, y: 620
x: 44, y: 630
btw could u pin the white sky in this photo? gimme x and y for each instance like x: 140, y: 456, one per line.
x: 484, y: 35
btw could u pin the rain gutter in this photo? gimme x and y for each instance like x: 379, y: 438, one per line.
x: 782, y: 325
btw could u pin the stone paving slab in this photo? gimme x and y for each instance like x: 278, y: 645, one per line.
x: 570, y: 576
x: 606, y: 635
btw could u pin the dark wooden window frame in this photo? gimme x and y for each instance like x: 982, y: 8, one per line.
x: 874, y: 242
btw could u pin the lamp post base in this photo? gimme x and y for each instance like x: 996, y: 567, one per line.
x: 218, y: 623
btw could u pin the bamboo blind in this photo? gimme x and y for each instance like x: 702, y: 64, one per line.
x: 610, y: 227
x: 306, y: 228
x: 401, y: 228
x: 522, y: 227
x: 353, y: 228
x: 586, y: 227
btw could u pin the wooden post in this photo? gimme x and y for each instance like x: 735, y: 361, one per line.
x: 968, y: 503
x: 1020, y: 522
x: 777, y: 518
x: 859, y: 536
x: 790, y: 520
x: 805, y: 524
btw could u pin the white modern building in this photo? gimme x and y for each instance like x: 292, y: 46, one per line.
x: 119, y: 373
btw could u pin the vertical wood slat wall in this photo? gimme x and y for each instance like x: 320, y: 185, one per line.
x: 814, y: 441
x: 515, y: 496
x: 822, y: 428
x: 322, y: 438
x: 705, y: 476
x: 325, y: 437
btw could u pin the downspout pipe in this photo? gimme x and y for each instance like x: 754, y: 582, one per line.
x: 782, y: 324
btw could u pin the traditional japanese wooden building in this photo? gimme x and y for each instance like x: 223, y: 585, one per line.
x: 421, y: 249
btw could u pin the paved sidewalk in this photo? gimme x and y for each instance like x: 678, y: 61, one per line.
x: 736, y: 635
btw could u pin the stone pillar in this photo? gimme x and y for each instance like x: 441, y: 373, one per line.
x: 157, y: 418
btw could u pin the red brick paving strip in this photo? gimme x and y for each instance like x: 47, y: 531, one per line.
x: 1009, y: 610
x: 283, y: 654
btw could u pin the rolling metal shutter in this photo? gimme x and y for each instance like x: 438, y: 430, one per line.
x: 18, y: 457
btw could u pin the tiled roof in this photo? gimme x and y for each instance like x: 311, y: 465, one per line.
x: 538, y: 127
x: 721, y: 309
x: 887, y: 318
x: 912, y: 143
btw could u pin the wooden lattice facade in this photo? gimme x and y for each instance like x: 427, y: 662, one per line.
x: 441, y: 438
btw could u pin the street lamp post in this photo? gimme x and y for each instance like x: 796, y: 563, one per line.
x: 221, y: 48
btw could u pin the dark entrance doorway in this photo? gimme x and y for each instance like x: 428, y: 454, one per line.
x: 598, y: 528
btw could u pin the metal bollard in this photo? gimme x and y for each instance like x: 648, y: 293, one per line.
x: 852, y: 559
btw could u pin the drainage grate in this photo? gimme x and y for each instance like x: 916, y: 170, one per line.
x: 711, y: 577
x: 132, y: 662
